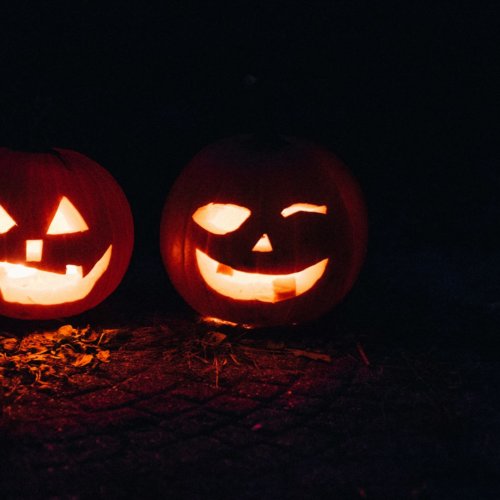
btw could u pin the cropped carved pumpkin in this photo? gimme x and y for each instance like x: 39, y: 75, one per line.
x: 66, y: 234
x: 264, y: 232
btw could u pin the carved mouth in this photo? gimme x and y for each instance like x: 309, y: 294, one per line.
x: 240, y: 285
x: 29, y: 285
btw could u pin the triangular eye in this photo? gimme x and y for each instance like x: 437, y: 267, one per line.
x: 6, y: 221
x: 67, y: 219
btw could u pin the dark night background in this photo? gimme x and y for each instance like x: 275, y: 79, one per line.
x: 406, y: 93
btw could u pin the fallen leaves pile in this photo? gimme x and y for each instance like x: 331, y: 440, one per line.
x: 46, y: 359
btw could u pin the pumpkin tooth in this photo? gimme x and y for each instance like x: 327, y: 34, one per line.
x: 74, y: 271
x: 223, y: 269
x: 284, y: 287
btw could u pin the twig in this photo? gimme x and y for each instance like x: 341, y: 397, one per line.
x: 362, y: 354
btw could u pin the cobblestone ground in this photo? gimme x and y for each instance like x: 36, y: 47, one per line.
x: 268, y: 415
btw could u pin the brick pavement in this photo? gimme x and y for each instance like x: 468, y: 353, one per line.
x: 275, y: 424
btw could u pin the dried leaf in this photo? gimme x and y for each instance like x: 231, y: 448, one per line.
x: 103, y: 356
x: 317, y: 356
x: 66, y: 330
x: 89, y: 336
x: 38, y: 357
x: 83, y: 359
x: 51, y: 336
x: 47, y: 370
x: 215, y: 338
x: 86, y: 330
x: 111, y: 331
x: 9, y: 344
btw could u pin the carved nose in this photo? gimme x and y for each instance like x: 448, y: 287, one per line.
x: 34, y: 250
x: 263, y: 244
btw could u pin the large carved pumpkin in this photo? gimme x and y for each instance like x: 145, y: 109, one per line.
x: 264, y: 231
x: 66, y: 234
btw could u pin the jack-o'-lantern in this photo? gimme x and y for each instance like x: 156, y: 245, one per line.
x: 264, y: 232
x: 66, y: 233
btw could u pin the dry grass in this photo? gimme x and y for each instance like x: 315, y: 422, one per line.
x: 218, y: 346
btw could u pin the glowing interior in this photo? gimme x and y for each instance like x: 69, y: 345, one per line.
x: 67, y: 219
x: 6, y: 221
x: 34, y: 250
x: 263, y: 245
x: 221, y: 218
x: 28, y: 285
x: 303, y: 207
x: 272, y: 288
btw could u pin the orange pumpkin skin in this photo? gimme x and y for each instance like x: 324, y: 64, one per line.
x: 265, y: 178
x: 33, y: 184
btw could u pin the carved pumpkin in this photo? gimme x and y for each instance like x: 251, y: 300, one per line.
x: 66, y: 234
x: 264, y: 233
